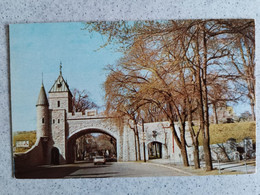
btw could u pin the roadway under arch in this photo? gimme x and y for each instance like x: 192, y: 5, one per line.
x: 71, y: 141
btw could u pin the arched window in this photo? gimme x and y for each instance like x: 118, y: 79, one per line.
x: 58, y: 103
x: 42, y: 120
x: 58, y: 120
x: 53, y: 121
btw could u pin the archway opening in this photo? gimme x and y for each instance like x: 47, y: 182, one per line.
x: 87, y: 144
x: 155, y: 150
x: 55, y: 156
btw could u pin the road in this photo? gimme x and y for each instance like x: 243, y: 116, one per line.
x: 89, y: 170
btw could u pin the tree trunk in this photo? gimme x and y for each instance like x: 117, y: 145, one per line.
x: 206, y: 140
x: 196, y: 156
x: 207, y: 154
x: 252, y: 104
x: 180, y: 142
x: 135, y: 146
x: 183, y: 147
x: 138, y: 142
x: 194, y: 138
x: 184, y: 155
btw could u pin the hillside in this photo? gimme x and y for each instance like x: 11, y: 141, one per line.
x: 24, y: 136
x: 220, y: 133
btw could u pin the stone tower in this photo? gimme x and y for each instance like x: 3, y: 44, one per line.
x: 60, y: 96
x: 60, y: 100
x: 42, y: 109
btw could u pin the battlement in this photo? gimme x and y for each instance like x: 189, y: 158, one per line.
x: 89, y: 113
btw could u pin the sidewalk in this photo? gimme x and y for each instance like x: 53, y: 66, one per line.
x: 218, y: 168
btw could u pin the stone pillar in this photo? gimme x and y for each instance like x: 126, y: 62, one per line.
x: 125, y: 144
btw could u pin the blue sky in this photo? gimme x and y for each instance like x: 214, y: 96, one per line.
x: 39, y: 48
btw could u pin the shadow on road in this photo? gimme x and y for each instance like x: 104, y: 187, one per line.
x: 59, y: 171
x: 95, y: 175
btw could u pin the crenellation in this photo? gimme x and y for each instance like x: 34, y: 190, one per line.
x: 56, y: 120
x: 88, y: 114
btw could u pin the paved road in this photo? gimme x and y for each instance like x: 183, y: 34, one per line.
x: 89, y: 170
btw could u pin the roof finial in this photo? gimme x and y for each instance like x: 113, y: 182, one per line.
x: 60, y: 68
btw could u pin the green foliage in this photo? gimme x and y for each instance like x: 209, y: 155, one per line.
x: 24, y: 136
x: 220, y: 133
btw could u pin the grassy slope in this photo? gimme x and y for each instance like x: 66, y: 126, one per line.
x: 220, y: 133
x: 24, y: 136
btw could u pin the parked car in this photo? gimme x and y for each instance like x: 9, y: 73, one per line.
x: 99, y: 160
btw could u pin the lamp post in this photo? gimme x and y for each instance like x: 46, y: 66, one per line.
x: 143, y: 140
x: 244, y: 157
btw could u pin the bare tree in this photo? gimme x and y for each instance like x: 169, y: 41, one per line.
x: 172, y: 63
x: 81, y: 101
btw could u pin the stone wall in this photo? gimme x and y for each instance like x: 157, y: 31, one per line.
x: 231, y: 150
x: 164, y: 135
x: 63, y: 98
x: 59, y: 132
x: 39, y: 154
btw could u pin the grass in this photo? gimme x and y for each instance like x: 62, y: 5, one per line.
x: 24, y: 136
x: 220, y: 133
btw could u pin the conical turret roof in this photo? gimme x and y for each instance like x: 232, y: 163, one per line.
x: 42, y: 98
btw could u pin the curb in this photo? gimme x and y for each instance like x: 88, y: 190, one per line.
x: 169, y: 167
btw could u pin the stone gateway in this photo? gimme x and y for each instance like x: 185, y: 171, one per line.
x: 58, y: 127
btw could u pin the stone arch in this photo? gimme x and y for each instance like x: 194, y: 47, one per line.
x: 83, y: 131
x: 155, y: 149
x: 71, y: 139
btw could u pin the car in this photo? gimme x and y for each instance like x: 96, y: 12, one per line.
x: 99, y: 160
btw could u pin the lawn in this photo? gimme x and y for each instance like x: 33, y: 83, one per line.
x: 24, y: 136
x: 220, y: 133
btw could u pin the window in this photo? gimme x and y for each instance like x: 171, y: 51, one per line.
x: 53, y: 121
x: 42, y: 120
x: 58, y: 120
x: 58, y: 103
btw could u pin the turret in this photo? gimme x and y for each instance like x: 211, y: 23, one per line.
x: 42, y: 108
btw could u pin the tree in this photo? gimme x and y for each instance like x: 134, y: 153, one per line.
x: 81, y: 101
x: 174, y: 59
x: 243, y: 60
x: 105, y: 143
x: 146, y: 83
x: 121, y: 102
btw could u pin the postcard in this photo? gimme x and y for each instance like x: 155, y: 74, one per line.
x: 133, y: 98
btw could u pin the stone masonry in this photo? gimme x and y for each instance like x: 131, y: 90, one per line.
x: 58, y: 128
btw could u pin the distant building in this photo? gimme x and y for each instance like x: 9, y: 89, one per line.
x: 225, y: 114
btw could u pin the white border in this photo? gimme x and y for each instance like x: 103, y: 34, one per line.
x: 28, y: 11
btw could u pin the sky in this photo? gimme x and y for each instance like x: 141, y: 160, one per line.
x: 39, y: 48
